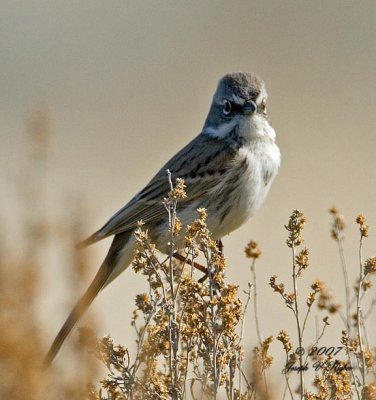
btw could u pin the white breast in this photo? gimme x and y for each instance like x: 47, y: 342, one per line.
x: 245, y: 191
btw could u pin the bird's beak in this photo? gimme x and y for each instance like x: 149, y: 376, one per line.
x: 249, y: 107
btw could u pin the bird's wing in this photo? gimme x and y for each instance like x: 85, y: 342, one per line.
x: 201, y: 164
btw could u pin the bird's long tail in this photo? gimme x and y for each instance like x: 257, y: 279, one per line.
x: 79, y: 309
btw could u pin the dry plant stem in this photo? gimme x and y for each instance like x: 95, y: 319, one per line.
x: 184, y: 394
x: 248, y: 293
x: 141, y: 335
x: 354, y: 378
x: 248, y: 384
x: 359, y: 314
x: 347, y: 319
x: 306, y: 318
x: 215, y: 343
x: 368, y: 345
x: 255, y: 308
x: 317, y: 341
x: 173, y: 333
x: 296, y: 313
x: 216, y: 339
x: 287, y: 387
x: 157, y: 273
x: 346, y: 280
x: 287, y: 380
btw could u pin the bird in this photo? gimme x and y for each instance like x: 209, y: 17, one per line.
x: 228, y: 169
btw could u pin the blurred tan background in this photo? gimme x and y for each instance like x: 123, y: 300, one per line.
x: 128, y: 83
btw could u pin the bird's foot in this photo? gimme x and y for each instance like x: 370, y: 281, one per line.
x: 198, y: 266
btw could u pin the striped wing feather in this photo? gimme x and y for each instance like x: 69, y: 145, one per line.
x: 201, y: 164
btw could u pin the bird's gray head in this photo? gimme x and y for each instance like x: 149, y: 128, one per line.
x: 239, y: 108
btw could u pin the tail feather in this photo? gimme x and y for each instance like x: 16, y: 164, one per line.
x: 109, y: 269
x: 79, y: 309
x: 87, y: 242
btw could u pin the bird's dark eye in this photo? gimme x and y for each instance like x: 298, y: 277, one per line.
x: 227, y: 108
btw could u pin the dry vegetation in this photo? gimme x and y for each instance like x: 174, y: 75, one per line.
x: 189, y: 327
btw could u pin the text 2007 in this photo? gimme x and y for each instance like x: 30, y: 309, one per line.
x: 327, y: 351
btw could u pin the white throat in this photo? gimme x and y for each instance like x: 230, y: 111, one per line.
x: 222, y: 130
x: 248, y: 128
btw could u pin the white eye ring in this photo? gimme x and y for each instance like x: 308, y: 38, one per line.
x: 227, y: 108
x: 263, y: 105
